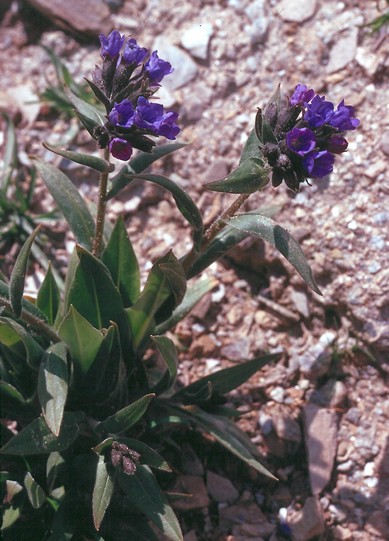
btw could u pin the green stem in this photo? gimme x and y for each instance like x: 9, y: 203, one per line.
x: 38, y: 324
x: 101, y: 206
x: 214, y: 229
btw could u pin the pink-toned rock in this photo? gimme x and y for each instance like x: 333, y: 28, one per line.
x: 194, y: 488
x: 309, y: 522
x: 88, y: 17
x: 320, y: 427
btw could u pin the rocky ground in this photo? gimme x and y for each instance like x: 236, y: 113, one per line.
x: 319, y: 416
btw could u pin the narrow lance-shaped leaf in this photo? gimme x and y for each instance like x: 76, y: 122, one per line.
x: 102, y: 492
x: 143, y: 491
x: 11, y: 333
x: 35, y: 492
x: 49, y: 298
x: 168, y: 352
x: 126, y: 417
x: 18, y: 275
x: 37, y: 438
x: 70, y: 202
x: 138, y: 164
x: 228, y: 379
x: 94, y: 162
x: 53, y: 386
x: 120, y: 259
x: 267, y: 229
x: 252, y: 175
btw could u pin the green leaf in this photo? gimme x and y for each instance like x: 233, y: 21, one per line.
x: 120, y: 259
x: 228, y: 379
x: 148, y: 455
x: 140, y: 163
x: 168, y: 352
x: 102, y: 492
x: 126, y: 417
x: 35, y: 492
x: 93, y: 293
x: 166, y: 280
x: 82, y: 339
x: 193, y: 295
x: 8, y: 390
x: 267, y: 229
x: 10, y: 516
x: 252, y: 175
x: 70, y: 202
x: 11, y: 333
x: 26, y: 305
x: 183, y: 201
x: 251, y: 148
x: 54, y: 463
x: 218, y: 247
x: 10, y: 153
x: 18, y: 275
x: 37, y: 438
x: 94, y: 162
x: 229, y: 436
x: 49, y: 298
x: 143, y: 491
x: 53, y: 386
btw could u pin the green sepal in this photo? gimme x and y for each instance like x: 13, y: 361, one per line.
x: 99, y: 94
x: 49, y: 298
x: 37, y: 438
x: 267, y: 229
x: 82, y: 339
x: 94, y: 162
x: 143, y: 491
x: 18, y: 275
x: 69, y: 201
x: 53, y: 386
x: 126, y: 417
x: 120, y: 259
x: 251, y: 176
x: 166, y: 281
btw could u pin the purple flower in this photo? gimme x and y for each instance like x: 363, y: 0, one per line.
x: 336, y: 144
x: 122, y: 114
x: 120, y: 149
x: 318, y: 164
x: 111, y: 45
x: 318, y: 112
x: 301, y: 140
x: 301, y: 95
x: 157, y: 68
x: 133, y: 54
x: 151, y: 116
x: 342, y: 118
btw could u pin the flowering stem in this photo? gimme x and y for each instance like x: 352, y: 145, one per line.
x: 100, y: 216
x: 214, y: 229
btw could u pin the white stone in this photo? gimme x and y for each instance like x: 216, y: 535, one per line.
x: 196, y: 40
x: 185, y: 68
x: 296, y: 10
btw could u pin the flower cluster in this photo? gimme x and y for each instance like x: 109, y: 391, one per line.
x: 301, y: 137
x: 129, y: 76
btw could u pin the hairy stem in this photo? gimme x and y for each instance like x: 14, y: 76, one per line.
x: 101, y: 206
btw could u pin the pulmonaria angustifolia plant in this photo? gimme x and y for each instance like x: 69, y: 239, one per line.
x: 303, y: 135
x: 129, y: 76
x: 89, y: 369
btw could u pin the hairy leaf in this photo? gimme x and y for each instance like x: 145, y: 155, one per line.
x: 53, y: 386
x: 48, y: 299
x: 168, y: 352
x: 143, y: 491
x: 120, y: 259
x: 102, y: 492
x: 267, y: 229
x: 126, y: 417
x: 249, y: 177
x: 18, y: 275
x: 94, y: 162
x: 70, y: 202
x: 35, y: 492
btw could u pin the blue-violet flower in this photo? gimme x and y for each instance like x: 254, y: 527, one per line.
x: 301, y: 140
x: 111, y: 45
x: 157, y: 68
x: 132, y: 53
